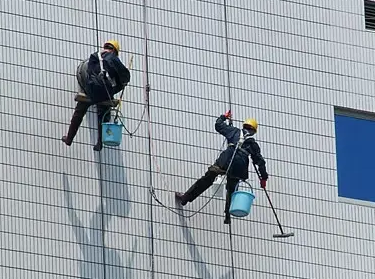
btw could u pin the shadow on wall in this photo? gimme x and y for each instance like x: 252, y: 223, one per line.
x: 200, y: 265
x: 115, y: 203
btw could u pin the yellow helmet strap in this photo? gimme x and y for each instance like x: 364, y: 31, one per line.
x: 110, y: 47
x: 250, y: 129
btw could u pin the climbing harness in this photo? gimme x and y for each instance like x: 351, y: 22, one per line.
x: 240, y: 142
x: 103, y: 72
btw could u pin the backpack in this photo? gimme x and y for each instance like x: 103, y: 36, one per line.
x: 81, y: 73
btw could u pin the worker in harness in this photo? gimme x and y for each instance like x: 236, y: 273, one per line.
x: 238, y: 169
x: 100, y: 77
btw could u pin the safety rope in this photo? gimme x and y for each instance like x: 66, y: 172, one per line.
x: 157, y: 232
x: 100, y: 162
x: 120, y: 104
x: 147, y: 105
x: 130, y: 67
x: 118, y: 107
x: 152, y: 189
x: 230, y: 108
x: 231, y: 249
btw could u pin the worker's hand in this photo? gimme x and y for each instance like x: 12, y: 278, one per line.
x: 263, y: 183
x: 228, y: 114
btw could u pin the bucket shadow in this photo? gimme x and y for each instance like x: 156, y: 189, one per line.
x: 200, y: 265
x: 115, y: 189
x: 115, y: 203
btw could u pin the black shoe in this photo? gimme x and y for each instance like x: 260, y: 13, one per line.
x: 180, y: 198
x: 66, y: 141
x: 227, y: 219
x: 98, y: 146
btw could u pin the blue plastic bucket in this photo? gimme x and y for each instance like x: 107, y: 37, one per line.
x: 111, y: 133
x: 241, y: 202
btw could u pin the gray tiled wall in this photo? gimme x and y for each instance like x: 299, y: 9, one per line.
x: 73, y: 213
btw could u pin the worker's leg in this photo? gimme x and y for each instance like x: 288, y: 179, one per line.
x: 81, y: 95
x: 200, y: 185
x: 79, y: 112
x: 101, y: 109
x: 231, y: 186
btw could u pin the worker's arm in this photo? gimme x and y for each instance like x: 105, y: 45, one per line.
x: 258, y: 159
x: 224, y: 129
x: 122, y: 72
x: 116, y: 69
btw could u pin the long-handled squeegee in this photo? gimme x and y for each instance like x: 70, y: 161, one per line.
x: 283, y: 234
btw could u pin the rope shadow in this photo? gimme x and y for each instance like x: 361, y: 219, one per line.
x: 200, y: 265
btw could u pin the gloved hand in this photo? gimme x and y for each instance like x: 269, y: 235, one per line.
x: 263, y: 183
x: 228, y: 114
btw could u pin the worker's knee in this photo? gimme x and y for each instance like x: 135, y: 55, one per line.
x: 81, y: 108
x: 216, y: 169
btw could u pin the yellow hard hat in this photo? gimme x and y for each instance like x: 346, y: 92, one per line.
x: 251, y: 122
x: 114, y: 43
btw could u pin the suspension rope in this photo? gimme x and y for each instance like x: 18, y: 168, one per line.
x: 100, y: 161
x: 152, y: 189
x: 230, y: 108
x: 231, y: 249
x: 118, y: 107
x: 130, y: 67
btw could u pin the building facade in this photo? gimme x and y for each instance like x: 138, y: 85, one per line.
x: 70, y: 212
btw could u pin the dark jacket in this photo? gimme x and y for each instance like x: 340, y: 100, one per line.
x: 96, y: 89
x: 240, y: 164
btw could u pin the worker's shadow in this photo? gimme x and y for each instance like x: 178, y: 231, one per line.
x: 200, y: 265
x: 115, y: 195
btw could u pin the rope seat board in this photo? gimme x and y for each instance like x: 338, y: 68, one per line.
x: 82, y: 97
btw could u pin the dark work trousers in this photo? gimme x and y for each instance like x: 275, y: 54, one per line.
x: 206, y: 181
x: 79, y: 112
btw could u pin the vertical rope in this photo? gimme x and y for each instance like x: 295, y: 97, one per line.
x: 230, y: 107
x: 97, y: 23
x: 102, y: 213
x: 147, y: 97
x: 231, y: 249
x: 227, y: 58
x: 100, y: 162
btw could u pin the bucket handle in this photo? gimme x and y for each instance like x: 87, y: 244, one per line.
x: 251, y: 187
x: 111, y: 109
